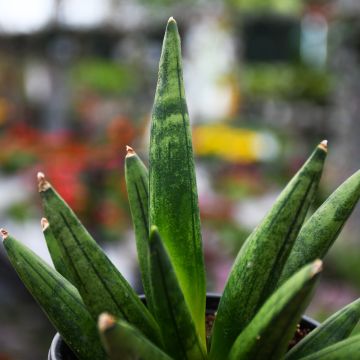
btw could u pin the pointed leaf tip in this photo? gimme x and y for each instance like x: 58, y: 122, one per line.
x: 43, y: 184
x: 44, y: 223
x: 171, y: 20
x: 105, y: 322
x: 324, y: 145
x: 4, y: 233
x: 129, y: 151
x: 317, y: 266
x: 153, y: 229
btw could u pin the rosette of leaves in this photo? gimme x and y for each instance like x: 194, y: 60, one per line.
x: 100, y: 316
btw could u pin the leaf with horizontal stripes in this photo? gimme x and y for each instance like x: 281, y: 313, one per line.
x: 173, y: 198
x: 336, y: 328
x: 100, y: 284
x: 259, y: 263
x: 59, y: 299
x: 323, y: 227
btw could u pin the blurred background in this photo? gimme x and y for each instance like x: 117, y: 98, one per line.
x: 266, y: 80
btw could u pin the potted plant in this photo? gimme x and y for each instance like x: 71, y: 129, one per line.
x: 100, y: 316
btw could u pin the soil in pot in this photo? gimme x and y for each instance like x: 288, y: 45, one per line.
x: 60, y: 351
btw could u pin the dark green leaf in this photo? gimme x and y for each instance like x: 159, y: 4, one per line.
x: 336, y: 328
x: 173, y: 194
x: 172, y: 313
x: 268, y: 334
x: 260, y: 261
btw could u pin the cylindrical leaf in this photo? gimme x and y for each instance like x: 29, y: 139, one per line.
x: 100, y: 284
x: 58, y: 298
x: 268, y: 334
x: 124, y: 342
x: 137, y: 184
x: 178, y: 330
x: 173, y: 194
x: 348, y: 349
x: 54, y: 251
x: 321, y: 230
x: 336, y: 328
x: 260, y: 261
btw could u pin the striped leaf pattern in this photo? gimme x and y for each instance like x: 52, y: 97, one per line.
x: 173, y: 194
x: 260, y: 261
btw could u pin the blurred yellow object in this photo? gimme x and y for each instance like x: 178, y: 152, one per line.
x: 234, y: 144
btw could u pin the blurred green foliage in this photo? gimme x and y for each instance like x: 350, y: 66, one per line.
x: 287, y: 82
x: 105, y: 76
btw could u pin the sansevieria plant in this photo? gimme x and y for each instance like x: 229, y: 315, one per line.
x: 100, y: 316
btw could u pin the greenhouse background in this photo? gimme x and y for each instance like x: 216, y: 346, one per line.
x: 265, y: 82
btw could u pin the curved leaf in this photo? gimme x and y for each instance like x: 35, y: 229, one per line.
x: 260, y: 261
x: 100, y: 284
x: 321, y: 230
x: 336, y: 328
x: 268, y: 334
x: 66, y: 311
x: 124, y: 342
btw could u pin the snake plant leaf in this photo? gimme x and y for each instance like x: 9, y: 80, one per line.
x: 260, y: 261
x: 124, y: 342
x: 336, y: 328
x: 54, y: 251
x: 323, y: 227
x: 268, y: 334
x: 100, y: 284
x: 348, y: 349
x: 137, y: 184
x: 65, y: 310
x: 173, y: 202
x: 178, y: 330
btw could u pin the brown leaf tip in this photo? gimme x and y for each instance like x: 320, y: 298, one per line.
x: 4, y: 233
x: 43, y: 184
x: 324, y: 145
x: 317, y: 266
x: 129, y: 151
x: 44, y: 223
x: 106, y: 321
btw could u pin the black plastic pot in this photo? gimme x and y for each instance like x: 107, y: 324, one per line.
x: 60, y: 351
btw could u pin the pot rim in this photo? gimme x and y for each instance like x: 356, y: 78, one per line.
x: 58, y: 346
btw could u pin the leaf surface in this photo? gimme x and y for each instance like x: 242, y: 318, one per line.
x: 323, y: 227
x: 177, y: 327
x: 258, y: 266
x: 173, y: 193
x: 336, y: 328
x: 268, y: 334
x: 59, y: 300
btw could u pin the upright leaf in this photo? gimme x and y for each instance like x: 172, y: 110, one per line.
x: 124, y: 342
x: 260, y: 261
x: 100, y: 284
x: 321, y: 230
x: 268, y: 334
x: 54, y: 251
x: 336, y: 328
x: 178, y: 330
x: 59, y: 299
x: 173, y: 194
x: 348, y: 349
x: 137, y: 183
